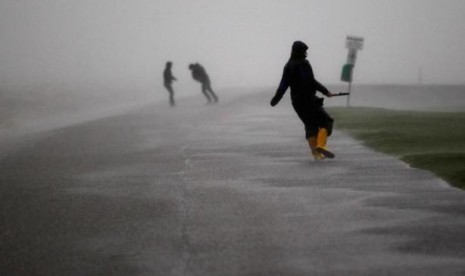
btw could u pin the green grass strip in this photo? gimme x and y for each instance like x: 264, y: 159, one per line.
x: 433, y: 141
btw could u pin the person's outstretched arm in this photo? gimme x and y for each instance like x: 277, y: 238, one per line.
x: 170, y: 76
x: 283, y: 85
x: 320, y: 87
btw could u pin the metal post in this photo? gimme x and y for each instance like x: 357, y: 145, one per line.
x: 348, y: 96
x: 420, y: 75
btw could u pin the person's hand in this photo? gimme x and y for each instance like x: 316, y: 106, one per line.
x: 274, y: 101
x: 329, y: 95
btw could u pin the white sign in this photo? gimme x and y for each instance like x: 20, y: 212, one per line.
x: 354, y: 42
x: 351, y: 56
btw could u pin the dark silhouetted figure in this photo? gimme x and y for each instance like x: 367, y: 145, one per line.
x: 199, y: 74
x: 168, y: 79
x: 298, y: 74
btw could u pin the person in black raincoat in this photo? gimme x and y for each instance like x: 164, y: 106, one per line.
x: 298, y: 75
x: 199, y: 74
x: 168, y: 78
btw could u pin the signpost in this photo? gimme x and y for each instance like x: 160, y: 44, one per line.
x: 353, y: 44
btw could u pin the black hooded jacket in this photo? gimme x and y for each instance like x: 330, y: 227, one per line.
x: 298, y: 74
x: 199, y: 73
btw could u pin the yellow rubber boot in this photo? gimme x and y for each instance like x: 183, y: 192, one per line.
x: 315, y: 153
x: 321, y: 143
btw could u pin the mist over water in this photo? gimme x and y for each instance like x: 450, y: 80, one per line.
x: 440, y: 98
x: 84, y: 59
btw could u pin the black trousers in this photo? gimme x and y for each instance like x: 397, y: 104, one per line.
x: 208, y: 91
x: 314, y: 116
x: 170, y: 90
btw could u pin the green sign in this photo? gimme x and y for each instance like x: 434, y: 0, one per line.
x: 347, y: 72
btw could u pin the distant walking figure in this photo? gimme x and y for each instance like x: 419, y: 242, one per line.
x: 298, y: 74
x: 199, y: 74
x: 168, y: 79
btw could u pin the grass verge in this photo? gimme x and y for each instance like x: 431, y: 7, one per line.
x: 428, y: 140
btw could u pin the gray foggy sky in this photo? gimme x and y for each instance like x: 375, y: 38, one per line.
x: 240, y: 42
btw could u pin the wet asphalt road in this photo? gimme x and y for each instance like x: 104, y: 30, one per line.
x: 227, y: 189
